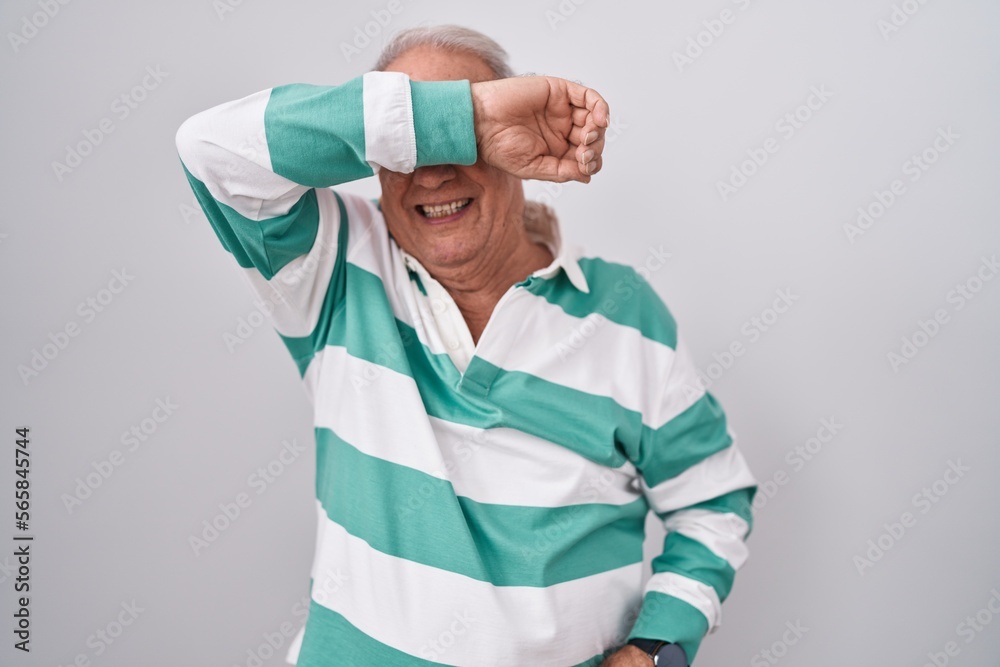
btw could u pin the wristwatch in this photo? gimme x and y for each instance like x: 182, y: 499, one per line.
x: 664, y: 654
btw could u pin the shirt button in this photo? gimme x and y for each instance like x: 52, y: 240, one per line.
x: 453, y: 344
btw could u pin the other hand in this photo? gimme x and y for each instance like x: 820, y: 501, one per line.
x: 629, y: 656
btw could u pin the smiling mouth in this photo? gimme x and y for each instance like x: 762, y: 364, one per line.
x: 433, y: 211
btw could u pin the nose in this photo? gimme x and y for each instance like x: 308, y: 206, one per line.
x: 433, y: 177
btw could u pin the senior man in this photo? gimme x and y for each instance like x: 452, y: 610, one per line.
x: 495, y: 413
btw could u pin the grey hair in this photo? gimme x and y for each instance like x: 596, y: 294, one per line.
x: 451, y: 37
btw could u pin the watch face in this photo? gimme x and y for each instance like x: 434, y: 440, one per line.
x: 670, y: 655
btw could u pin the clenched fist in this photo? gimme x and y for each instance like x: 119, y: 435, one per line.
x: 540, y: 127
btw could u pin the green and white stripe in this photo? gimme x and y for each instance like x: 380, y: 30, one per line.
x: 476, y: 509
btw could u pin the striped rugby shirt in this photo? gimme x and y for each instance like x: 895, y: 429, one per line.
x: 477, y: 504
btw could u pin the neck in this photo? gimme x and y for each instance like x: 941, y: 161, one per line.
x: 476, y: 288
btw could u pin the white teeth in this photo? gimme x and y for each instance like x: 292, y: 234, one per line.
x: 441, y: 210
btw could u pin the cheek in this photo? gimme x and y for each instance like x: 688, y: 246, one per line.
x: 393, y: 183
x: 505, y: 193
x: 393, y: 188
x: 493, y: 182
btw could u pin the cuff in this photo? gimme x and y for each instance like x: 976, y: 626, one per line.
x: 670, y: 619
x: 443, y: 122
x: 388, y: 122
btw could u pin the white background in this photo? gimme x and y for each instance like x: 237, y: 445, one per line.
x: 680, y: 129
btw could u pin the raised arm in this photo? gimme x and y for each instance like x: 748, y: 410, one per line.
x: 257, y: 158
x: 254, y: 162
x: 261, y: 166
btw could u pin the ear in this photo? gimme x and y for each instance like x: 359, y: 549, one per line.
x: 540, y: 222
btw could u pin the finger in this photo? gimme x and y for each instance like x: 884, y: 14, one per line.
x: 571, y: 170
x: 580, y: 116
x: 582, y: 120
x: 591, y: 151
x: 588, y: 98
x: 585, y: 135
x: 602, y: 113
x: 551, y: 168
x: 594, y: 166
x: 588, y: 169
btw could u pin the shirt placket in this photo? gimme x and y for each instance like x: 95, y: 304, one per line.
x: 447, y: 320
x: 477, y: 375
x: 495, y: 343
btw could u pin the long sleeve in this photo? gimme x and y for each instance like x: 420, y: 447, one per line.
x: 261, y: 168
x: 697, y: 481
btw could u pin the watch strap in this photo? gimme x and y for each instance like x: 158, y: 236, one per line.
x: 663, y: 653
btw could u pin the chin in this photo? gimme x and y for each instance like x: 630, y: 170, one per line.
x: 447, y: 254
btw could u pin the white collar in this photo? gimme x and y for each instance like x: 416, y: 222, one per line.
x: 544, y: 227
